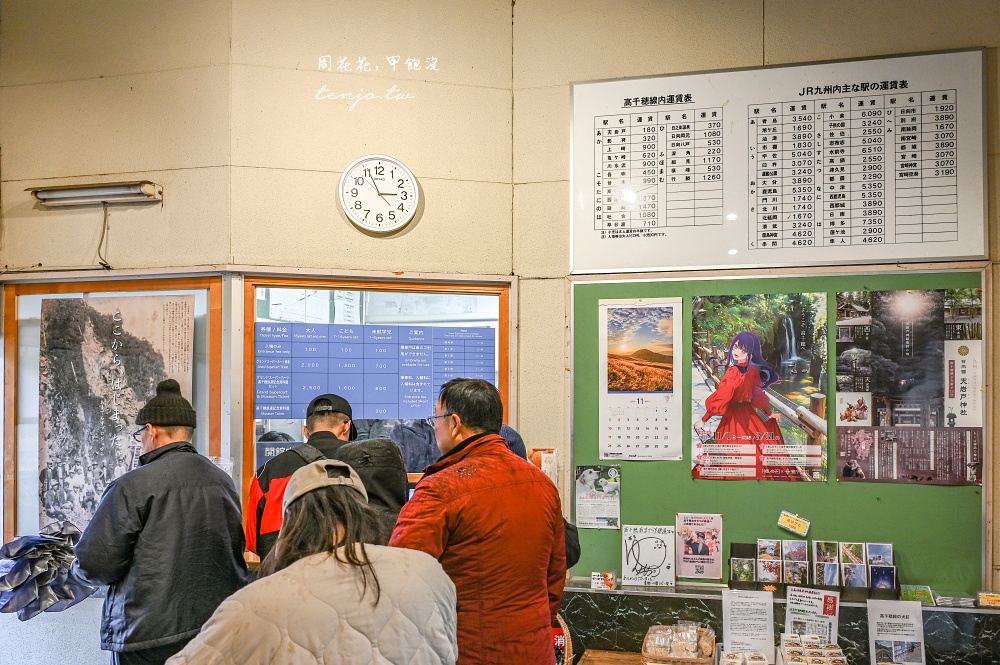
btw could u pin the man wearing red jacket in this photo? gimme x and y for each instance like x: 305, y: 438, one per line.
x: 494, y: 521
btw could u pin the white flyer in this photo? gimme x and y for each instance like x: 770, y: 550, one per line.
x: 748, y: 622
x: 641, y: 396
x: 598, y: 497
x: 813, y: 612
x: 896, y: 632
x: 648, y: 555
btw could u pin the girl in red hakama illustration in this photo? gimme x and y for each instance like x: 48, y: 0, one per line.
x: 739, y: 395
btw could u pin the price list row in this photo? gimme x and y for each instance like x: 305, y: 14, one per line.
x: 875, y: 169
x: 384, y: 371
x: 658, y: 169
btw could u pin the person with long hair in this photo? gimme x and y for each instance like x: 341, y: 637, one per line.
x: 740, y: 399
x: 328, y: 595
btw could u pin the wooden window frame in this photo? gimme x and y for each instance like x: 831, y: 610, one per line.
x: 213, y: 284
x: 252, y: 283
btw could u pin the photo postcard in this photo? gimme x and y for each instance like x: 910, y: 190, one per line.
x: 826, y: 551
x: 883, y: 577
x: 768, y: 570
x: 827, y: 574
x: 768, y: 549
x: 879, y: 554
x: 854, y: 574
x: 742, y: 570
x: 795, y: 550
x: 796, y: 572
x: 852, y: 553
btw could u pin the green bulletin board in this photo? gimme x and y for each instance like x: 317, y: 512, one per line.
x: 936, y: 531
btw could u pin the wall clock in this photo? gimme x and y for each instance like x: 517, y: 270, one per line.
x: 379, y: 194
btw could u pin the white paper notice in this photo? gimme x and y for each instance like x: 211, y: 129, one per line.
x: 641, y: 396
x: 896, y: 632
x: 648, y: 555
x: 748, y: 622
x: 813, y: 612
x: 598, y: 497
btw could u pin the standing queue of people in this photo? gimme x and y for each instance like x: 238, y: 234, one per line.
x: 470, y: 570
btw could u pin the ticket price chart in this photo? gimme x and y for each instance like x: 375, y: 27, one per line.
x: 384, y: 371
x: 874, y: 169
x: 835, y: 163
x: 657, y: 169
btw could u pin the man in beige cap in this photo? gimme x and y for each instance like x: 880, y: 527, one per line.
x: 167, y: 538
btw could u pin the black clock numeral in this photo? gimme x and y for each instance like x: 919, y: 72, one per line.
x: 392, y: 214
x: 367, y: 171
x: 357, y: 205
x: 378, y: 218
x: 354, y: 192
x: 380, y: 170
x: 403, y: 196
x: 400, y: 181
x: 367, y: 212
x: 400, y: 207
x: 359, y: 181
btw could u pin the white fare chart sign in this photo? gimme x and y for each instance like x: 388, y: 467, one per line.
x: 861, y: 161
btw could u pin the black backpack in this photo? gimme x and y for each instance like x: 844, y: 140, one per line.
x: 380, y: 466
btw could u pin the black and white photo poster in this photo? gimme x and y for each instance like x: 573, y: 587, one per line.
x: 100, y: 361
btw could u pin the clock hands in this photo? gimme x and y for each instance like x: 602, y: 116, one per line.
x: 372, y: 181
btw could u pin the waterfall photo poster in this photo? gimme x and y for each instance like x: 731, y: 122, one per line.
x: 99, y: 361
x: 758, y: 385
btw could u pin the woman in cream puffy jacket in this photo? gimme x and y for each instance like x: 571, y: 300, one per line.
x: 326, y: 596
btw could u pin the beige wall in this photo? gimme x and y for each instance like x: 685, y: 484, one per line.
x: 216, y: 101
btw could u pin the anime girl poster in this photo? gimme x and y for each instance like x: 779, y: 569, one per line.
x: 757, y: 387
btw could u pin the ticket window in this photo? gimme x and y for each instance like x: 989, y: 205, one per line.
x: 388, y: 352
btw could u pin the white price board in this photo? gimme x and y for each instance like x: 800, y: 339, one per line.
x: 861, y: 161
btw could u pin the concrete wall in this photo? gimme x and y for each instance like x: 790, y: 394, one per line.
x: 216, y: 100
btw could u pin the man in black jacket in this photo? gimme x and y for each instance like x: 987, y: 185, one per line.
x: 167, y: 539
x: 331, y: 434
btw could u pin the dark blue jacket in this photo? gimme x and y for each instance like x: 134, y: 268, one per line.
x: 167, y: 538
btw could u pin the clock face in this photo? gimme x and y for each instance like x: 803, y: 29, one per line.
x: 378, y: 194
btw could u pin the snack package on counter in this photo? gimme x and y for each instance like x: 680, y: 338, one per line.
x: 685, y: 642
x: 756, y: 658
x: 731, y: 658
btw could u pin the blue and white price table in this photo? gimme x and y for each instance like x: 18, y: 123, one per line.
x: 384, y: 371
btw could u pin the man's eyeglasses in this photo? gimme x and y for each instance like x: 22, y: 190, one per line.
x: 433, y: 419
x: 137, y: 435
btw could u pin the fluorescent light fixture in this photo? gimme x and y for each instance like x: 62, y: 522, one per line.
x: 139, y: 191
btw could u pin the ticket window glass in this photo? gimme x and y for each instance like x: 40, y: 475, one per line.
x: 83, y: 371
x: 387, y: 352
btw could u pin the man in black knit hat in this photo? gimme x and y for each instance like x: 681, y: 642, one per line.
x: 167, y: 539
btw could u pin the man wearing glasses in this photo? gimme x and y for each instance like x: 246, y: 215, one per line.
x: 494, y: 521
x: 167, y: 538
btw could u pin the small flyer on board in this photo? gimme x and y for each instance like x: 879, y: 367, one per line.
x: 896, y: 632
x: 813, y: 612
x: 699, y: 545
x: 648, y: 555
x: 598, y: 497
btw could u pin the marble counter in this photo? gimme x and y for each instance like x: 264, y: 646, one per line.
x: 617, y: 620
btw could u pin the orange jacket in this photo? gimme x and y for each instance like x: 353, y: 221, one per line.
x: 494, y: 521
